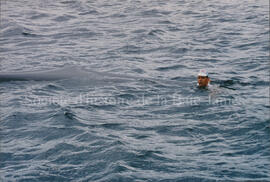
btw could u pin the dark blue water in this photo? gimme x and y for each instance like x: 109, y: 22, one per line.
x: 160, y: 127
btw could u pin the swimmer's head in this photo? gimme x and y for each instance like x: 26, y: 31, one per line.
x: 203, y: 79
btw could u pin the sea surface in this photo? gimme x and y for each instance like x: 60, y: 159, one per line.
x: 156, y: 126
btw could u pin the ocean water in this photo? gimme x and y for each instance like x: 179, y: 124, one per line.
x: 157, y: 127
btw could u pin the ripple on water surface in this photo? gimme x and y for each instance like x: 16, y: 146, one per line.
x: 154, y: 125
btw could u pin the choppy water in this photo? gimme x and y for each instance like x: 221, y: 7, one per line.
x: 157, y: 128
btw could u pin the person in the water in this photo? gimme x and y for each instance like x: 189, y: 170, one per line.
x: 203, y: 79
